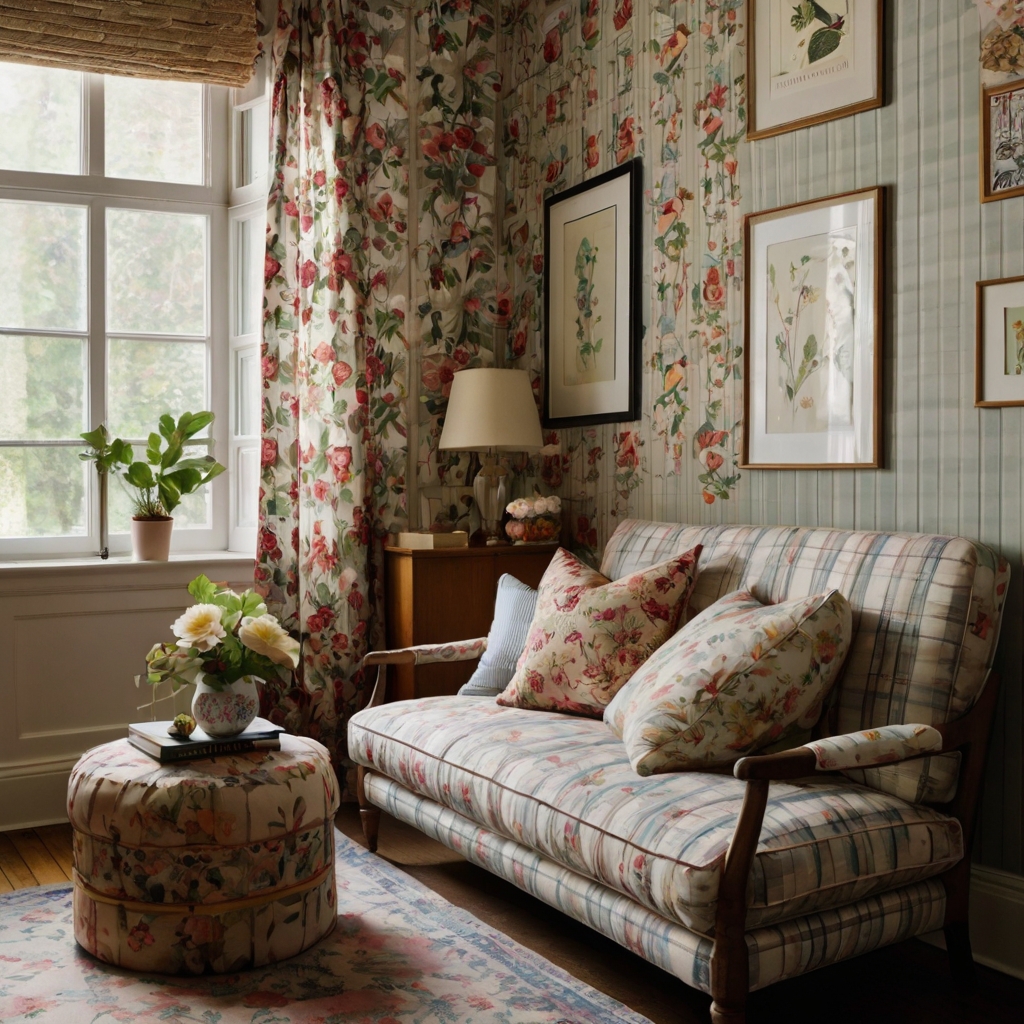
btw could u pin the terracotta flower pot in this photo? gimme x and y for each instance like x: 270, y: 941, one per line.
x: 151, y: 539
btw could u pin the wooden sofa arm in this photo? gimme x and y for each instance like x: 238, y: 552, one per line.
x: 422, y: 654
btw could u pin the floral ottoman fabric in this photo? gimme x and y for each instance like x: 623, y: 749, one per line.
x: 740, y: 676
x: 589, y: 635
x: 211, y: 865
x: 563, y: 786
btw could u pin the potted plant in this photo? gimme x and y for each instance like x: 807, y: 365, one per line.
x: 227, y: 643
x: 160, y: 482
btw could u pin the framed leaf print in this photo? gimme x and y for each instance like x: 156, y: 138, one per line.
x: 813, y: 345
x: 1002, y: 138
x: 809, y: 62
x: 592, y: 331
x: 999, y: 343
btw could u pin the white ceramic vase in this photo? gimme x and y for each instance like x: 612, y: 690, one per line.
x: 151, y: 539
x: 227, y: 711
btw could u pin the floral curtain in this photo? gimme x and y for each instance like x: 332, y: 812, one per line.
x: 334, y: 346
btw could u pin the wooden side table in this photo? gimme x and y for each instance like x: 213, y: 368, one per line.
x: 436, y: 596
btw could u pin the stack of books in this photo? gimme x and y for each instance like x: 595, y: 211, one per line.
x: 153, y: 739
x: 426, y: 540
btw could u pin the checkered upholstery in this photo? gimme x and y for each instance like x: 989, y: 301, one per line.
x: 926, y: 615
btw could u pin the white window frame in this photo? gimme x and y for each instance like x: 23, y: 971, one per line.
x: 99, y: 193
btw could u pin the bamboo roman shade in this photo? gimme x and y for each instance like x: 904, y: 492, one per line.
x: 192, y: 40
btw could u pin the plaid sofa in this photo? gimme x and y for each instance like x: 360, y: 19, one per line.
x: 846, y: 860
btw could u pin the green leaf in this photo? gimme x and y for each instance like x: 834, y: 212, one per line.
x: 98, y: 438
x: 169, y: 457
x: 194, y: 423
x: 170, y: 493
x: 810, y: 348
x: 822, y: 43
x: 167, y: 425
x: 202, y: 589
x: 140, y: 475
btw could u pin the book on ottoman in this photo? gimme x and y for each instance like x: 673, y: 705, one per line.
x: 152, y: 738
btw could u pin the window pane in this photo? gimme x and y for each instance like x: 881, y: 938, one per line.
x: 253, y: 126
x: 44, y: 252
x: 42, y: 492
x: 248, y: 396
x: 249, y: 257
x: 156, y: 272
x: 192, y: 513
x: 248, y: 483
x: 43, y: 388
x: 154, y: 130
x: 46, y: 136
x: 145, y: 379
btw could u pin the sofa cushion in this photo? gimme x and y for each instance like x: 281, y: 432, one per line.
x: 514, y: 606
x: 926, y: 613
x: 563, y: 786
x: 589, y: 635
x: 740, y: 676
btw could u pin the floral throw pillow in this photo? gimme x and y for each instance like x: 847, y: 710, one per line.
x: 589, y: 635
x: 732, y: 681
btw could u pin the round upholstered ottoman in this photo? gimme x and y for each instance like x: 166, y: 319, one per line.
x: 215, y: 865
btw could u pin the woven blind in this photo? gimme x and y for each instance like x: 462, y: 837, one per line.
x: 187, y: 40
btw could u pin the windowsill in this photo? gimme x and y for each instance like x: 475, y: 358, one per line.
x: 93, y: 563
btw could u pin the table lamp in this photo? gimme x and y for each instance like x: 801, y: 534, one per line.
x: 491, y: 411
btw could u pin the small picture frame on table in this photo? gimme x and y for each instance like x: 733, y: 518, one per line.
x: 999, y: 343
x: 810, y: 62
x: 592, y: 329
x: 1002, y: 142
x: 812, y: 356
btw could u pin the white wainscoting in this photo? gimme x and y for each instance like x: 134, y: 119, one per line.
x: 73, y: 636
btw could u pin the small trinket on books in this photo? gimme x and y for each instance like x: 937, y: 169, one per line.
x: 182, y: 726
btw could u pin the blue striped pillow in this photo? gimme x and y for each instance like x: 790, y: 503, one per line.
x: 513, y: 613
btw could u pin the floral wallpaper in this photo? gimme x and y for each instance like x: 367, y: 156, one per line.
x: 587, y: 86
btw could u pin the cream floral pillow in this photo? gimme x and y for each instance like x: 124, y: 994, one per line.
x: 589, y: 635
x: 732, y: 681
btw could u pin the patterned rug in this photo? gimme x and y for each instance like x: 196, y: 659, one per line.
x: 400, y: 954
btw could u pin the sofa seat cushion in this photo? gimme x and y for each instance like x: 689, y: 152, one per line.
x: 563, y: 786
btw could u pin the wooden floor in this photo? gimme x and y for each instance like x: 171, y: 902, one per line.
x: 906, y: 983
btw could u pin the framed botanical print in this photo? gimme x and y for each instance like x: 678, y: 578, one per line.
x: 592, y: 331
x: 1002, y: 142
x: 813, y: 346
x: 999, y: 342
x: 809, y: 62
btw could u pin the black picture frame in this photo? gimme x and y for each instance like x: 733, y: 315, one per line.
x: 628, y: 394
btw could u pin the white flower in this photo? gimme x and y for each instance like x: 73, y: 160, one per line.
x: 554, y: 503
x: 199, y: 627
x: 264, y: 635
x: 520, y: 508
x: 540, y: 506
x: 347, y: 578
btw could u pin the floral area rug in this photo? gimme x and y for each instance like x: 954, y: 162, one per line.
x: 399, y: 954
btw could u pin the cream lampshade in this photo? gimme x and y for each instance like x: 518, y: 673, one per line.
x: 491, y: 410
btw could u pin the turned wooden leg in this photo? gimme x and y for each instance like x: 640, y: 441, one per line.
x: 722, y: 1015
x: 369, y: 816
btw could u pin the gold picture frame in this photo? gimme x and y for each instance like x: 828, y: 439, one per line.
x: 813, y: 334
x: 994, y: 348
x: 1005, y: 105
x: 851, y: 63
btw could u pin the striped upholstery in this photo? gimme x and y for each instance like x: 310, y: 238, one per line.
x: 926, y: 615
x: 775, y: 952
x: 562, y: 785
x: 513, y: 612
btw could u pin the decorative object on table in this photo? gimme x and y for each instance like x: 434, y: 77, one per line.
x: 999, y: 342
x: 514, y: 606
x: 181, y: 727
x: 427, y: 540
x: 232, y: 858
x: 1002, y: 142
x: 810, y: 62
x: 491, y: 411
x: 158, y: 740
x: 772, y: 667
x: 227, y: 643
x: 593, y: 237
x: 535, y: 520
x: 812, y: 357
x: 160, y: 482
x: 589, y: 634
x: 448, y: 597
x: 430, y: 961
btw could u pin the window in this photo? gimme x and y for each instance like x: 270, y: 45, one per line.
x: 119, y: 303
